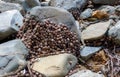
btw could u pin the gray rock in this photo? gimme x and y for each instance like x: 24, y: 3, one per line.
x: 96, y: 31
x: 86, y: 73
x: 108, y: 9
x: 12, y: 56
x: 8, y: 21
x: 109, y: 2
x: 10, y: 6
x: 14, y: 1
x: 68, y: 4
x: 33, y: 3
x: 56, y: 15
x: 52, y: 67
x: 86, y: 14
x: 114, y: 32
x: 87, y: 52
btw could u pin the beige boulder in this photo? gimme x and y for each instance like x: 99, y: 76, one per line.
x: 56, y: 65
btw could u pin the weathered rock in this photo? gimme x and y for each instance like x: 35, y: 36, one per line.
x: 96, y: 31
x: 87, y: 73
x: 8, y: 21
x: 86, y: 14
x: 12, y: 56
x: 33, y: 3
x: 52, y: 67
x: 87, y: 52
x: 114, y: 32
x: 108, y: 9
x: 56, y: 15
x: 68, y: 4
x: 109, y: 2
x: 10, y: 6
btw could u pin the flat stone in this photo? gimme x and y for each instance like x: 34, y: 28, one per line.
x: 56, y: 65
x: 95, y: 31
x: 114, y: 32
x: 6, y: 6
x: 8, y: 21
x: 12, y: 56
x: 87, y: 73
x: 109, y: 2
x: 86, y: 14
x: 87, y: 52
x: 56, y: 15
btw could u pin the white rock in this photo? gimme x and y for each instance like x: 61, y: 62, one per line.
x: 8, y: 21
x: 56, y: 15
x: 95, y: 31
x: 114, y: 32
x: 86, y: 73
x: 55, y: 66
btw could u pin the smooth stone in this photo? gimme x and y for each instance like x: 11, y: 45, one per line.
x: 88, y: 51
x: 108, y: 9
x: 96, y: 31
x: 12, y: 56
x: 56, y: 15
x: 86, y: 14
x: 109, y: 2
x: 8, y: 21
x: 69, y: 4
x: 114, y: 32
x: 56, y: 65
x: 86, y: 73
x: 6, y: 6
